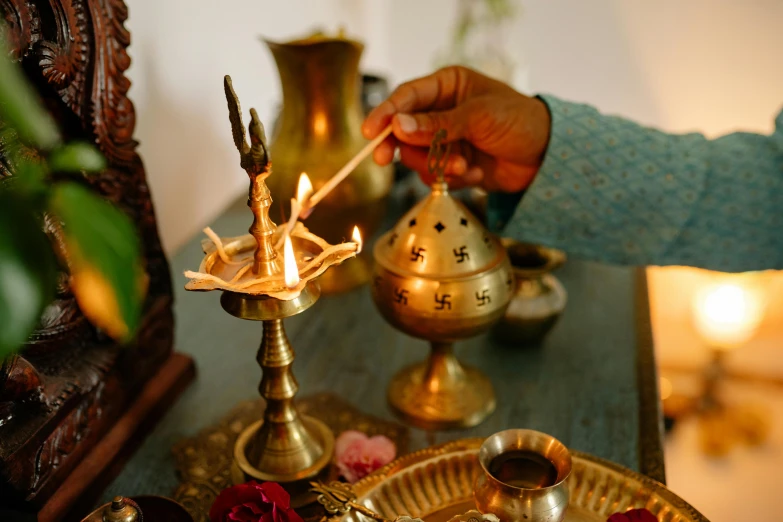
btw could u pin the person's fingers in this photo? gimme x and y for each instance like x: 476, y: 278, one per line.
x: 415, y: 158
x: 438, y: 90
x: 419, y: 129
x: 384, y: 153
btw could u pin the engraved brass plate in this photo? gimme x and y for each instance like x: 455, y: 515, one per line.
x: 437, y: 483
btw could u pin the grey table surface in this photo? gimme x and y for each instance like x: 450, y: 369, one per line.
x: 591, y: 384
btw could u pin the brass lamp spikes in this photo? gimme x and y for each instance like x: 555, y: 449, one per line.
x: 254, y: 158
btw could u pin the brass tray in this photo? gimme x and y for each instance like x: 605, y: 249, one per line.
x: 437, y: 483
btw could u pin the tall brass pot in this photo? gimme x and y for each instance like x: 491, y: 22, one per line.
x: 318, y: 132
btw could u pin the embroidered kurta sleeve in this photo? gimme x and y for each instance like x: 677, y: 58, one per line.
x: 613, y: 191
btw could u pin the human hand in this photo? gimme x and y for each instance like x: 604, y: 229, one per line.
x: 498, y: 135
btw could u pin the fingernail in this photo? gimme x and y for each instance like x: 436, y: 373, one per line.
x: 407, y: 123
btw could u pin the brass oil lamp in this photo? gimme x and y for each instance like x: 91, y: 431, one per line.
x: 441, y: 276
x: 266, y: 276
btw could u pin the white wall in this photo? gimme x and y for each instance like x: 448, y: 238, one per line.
x: 699, y: 64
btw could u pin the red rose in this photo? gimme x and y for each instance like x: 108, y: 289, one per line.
x: 633, y: 515
x: 253, y: 502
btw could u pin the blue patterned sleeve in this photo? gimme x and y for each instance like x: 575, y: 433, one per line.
x: 613, y: 191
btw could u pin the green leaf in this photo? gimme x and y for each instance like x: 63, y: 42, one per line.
x: 29, y: 182
x: 105, y: 259
x: 20, y: 107
x: 77, y: 156
x: 27, y: 271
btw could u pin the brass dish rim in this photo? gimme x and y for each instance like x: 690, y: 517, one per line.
x: 554, y: 257
x: 364, y: 485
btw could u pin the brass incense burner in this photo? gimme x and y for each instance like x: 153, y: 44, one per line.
x: 441, y: 276
x: 267, y: 276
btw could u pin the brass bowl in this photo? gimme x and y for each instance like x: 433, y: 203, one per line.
x: 538, y: 299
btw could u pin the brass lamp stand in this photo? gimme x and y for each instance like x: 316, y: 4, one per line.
x: 261, y: 283
x: 284, y: 446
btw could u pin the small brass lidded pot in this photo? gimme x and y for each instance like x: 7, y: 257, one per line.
x: 539, y: 298
x: 524, y: 477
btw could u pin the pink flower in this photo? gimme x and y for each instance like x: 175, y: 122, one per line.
x: 253, y: 502
x: 358, y: 456
x: 633, y: 515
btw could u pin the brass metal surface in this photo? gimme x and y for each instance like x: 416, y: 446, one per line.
x: 538, y: 299
x: 436, y: 484
x: 254, y: 158
x: 428, y: 389
x: 283, y: 447
x: 318, y: 132
x: 441, y: 276
x: 205, y: 465
x: 122, y: 510
x: 263, y: 308
x: 306, y: 445
x: 338, y: 498
x: 142, y: 508
x: 517, y: 504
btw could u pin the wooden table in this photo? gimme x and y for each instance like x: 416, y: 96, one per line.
x: 592, y: 384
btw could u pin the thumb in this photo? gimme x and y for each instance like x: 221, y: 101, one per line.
x: 419, y: 129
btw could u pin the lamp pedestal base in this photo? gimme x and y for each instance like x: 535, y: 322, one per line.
x: 440, y: 393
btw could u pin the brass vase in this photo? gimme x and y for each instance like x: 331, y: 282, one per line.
x: 319, y: 131
x: 538, y: 299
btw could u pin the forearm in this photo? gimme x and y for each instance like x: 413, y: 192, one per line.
x: 613, y: 191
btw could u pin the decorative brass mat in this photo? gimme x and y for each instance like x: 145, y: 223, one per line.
x: 204, y: 462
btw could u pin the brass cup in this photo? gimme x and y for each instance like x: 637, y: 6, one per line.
x: 515, y: 504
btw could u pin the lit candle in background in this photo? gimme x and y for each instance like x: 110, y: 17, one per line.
x: 357, y: 238
x: 728, y: 313
x: 290, y: 270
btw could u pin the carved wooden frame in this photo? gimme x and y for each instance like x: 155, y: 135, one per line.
x: 74, y: 51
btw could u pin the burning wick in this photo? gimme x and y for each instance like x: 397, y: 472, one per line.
x: 357, y: 238
x: 349, y: 167
x: 303, y: 191
x: 290, y: 270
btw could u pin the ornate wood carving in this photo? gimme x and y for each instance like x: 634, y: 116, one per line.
x: 70, y: 383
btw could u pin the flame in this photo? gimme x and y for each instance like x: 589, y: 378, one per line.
x: 290, y: 270
x: 357, y: 238
x: 304, y: 189
x: 727, y: 314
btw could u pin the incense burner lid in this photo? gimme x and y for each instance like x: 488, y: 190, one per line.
x: 439, y: 239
